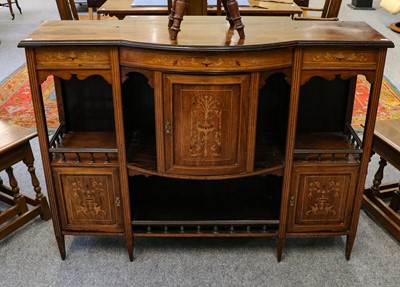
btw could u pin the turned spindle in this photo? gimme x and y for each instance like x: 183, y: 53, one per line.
x: 179, y: 7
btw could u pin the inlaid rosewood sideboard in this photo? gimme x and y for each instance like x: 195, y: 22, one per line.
x: 209, y: 135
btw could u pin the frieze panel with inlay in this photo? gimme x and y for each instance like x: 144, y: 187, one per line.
x: 254, y: 60
x: 340, y: 56
x: 73, y: 57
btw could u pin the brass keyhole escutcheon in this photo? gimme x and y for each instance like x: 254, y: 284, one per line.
x: 291, y: 201
x: 117, y: 202
x: 167, y: 127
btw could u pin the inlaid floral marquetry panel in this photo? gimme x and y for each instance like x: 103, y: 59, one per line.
x: 323, y: 197
x: 207, y: 120
x: 327, y: 59
x: 89, y: 199
x: 73, y: 57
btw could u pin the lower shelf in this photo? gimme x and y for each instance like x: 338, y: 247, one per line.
x: 206, y: 229
x: 232, y: 207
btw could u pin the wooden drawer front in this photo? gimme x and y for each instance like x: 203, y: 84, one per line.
x: 207, y: 117
x: 322, y: 198
x: 89, y: 199
x: 334, y: 58
x: 212, y: 61
x: 73, y: 57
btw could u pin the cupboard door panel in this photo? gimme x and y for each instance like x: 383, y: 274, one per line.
x: 205, y: 124
x: 322, y: 198
x: 89, y: 199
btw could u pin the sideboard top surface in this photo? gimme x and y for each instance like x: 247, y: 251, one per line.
x: 205, y: 33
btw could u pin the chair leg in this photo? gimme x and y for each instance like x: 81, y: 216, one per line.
x: 9, y: 3
x: 90, y: 10
x: 19, y: 8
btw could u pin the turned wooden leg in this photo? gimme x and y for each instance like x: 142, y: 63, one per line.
x: 40, y: 198
x: 171, y: 15
x: 19, y: 200
x: 179, y: 9
x: 233, y: 16
x: 378, y: 176
x: 228, y: 14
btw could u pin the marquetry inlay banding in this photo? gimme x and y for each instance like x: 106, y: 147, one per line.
x: 314, y: 58
x: 341, y: 56
x: 211, y: 60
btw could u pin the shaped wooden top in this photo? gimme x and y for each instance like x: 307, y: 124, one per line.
x: 205, y: 33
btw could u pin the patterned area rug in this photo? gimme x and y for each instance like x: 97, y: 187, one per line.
x: 389, y: 102
x: 16, y: 105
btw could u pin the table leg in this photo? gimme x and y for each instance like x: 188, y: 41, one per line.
x: 40, y: 198
x: 19, y: 200
x: 378, y: 177
x: 11, y: 9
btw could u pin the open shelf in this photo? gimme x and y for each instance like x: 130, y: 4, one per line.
x: 83, y: 147
x: 194, y: 206
x: 141, y: 152
x: 328, y: 146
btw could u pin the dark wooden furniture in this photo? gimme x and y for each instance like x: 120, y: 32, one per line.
x: 14, y: 148
x: 93, y: 5
x: 361, y: 4
x: 382, y: 201
x: 210, y: 135
x: 123, y: 8
x: 329, y: 12
x: 9, y: 5
x: 303, y: 3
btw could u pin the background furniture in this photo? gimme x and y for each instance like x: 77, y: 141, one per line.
x: 303, y: 3
x: 123, y: 8
x: 14, y: 148
x: 9, y: 5
x: 393, y: 7
x: 382, y: 201
x: 329, y: 12
x: 361, y: 4
x: 207, y: 136
x: 67, y: 10
x: 179, y: 7
x: 94, y: 5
